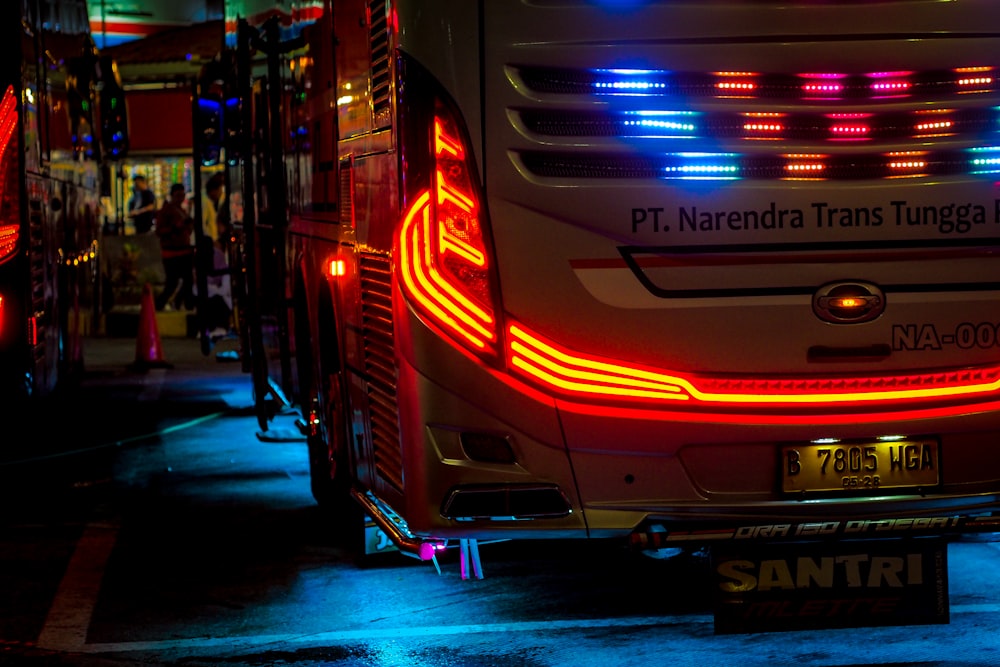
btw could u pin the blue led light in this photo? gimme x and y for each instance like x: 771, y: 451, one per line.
x: 629, y: 81
x: 210, y: 105
x: 655, y: 120
x: 629, y: 85
x: 989, y: 163
x: 702, y: 166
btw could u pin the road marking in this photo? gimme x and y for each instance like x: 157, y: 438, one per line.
x: 117, y: 443
x: 370, y: 634
x: 66, y: 624
x: 152, y: 384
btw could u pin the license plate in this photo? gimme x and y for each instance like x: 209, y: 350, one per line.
x: 867, y: 466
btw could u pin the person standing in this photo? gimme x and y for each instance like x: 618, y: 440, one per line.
x: 210, y: 206
x: 142, y: 205
x: 175, y: 229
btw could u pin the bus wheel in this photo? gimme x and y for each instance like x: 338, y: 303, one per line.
x: 329, y: 473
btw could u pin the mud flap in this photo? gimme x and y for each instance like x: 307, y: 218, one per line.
x: 849, y: 584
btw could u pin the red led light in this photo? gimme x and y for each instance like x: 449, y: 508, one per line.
x: 9, y: 235
x: 763, y: 127
x: 823, y: 88
x: 442, y: 256
x: 804, y: 168
x: 890, y: 86
x: 575, y: 374
x: 851, y: 131
x: 740, y: 83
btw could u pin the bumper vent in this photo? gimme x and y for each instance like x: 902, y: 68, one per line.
x: 505, y: 503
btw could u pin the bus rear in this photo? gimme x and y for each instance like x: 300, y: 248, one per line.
x: 681, y: 270
x: 677, y: 273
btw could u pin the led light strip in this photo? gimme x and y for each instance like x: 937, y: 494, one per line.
x: 572, y: 373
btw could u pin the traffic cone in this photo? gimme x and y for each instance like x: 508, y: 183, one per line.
x: 148, y: 350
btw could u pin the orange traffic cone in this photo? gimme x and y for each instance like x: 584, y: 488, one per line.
x: 148, y: 350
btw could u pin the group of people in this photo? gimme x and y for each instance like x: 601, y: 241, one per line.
x: 173, y: 225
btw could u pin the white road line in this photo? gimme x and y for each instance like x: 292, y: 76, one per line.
x: 369, y: 634
x: 66, y: 625
x: 153, y: 384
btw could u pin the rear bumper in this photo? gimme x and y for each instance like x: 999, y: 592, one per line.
x: 622, y: 471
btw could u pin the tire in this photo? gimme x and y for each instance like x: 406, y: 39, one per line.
x: 329, y: 466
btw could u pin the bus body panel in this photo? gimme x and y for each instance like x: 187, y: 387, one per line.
x: 672, y: 193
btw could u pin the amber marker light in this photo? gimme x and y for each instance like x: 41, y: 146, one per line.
x: 847, y: 302
x: 907, y: 163
x: 738, y: 84
x: 336, y: 268
x: 974, y: 79
x: 804, y: 165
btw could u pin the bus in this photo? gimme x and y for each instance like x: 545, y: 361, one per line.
x: 687, y: 274
x: 62, y: 117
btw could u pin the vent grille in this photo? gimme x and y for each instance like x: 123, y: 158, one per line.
x: 380, y: 368
x: 347, y: 192
x: 669, y: 125
x: 378, y: 26
x: 36, y: 254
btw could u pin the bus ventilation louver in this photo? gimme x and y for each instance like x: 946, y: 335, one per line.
x: 381, y: 66
x: 807, y: 86
x: 836, y: 129
x: 733, y: 166
x: 806, y: 126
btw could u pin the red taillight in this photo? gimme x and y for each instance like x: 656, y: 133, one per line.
x: 443, y: 258
x: 574, y: 374
x: 9, y: 233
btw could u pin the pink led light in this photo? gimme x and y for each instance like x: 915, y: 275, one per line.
x: 850, y: 130
x: 824, y: 88
x: 890, y: 86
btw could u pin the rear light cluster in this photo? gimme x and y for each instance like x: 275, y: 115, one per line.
x: 444, y: 260
x: 9, y: 235
x: 9, y: 232
x: 580, y: 376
